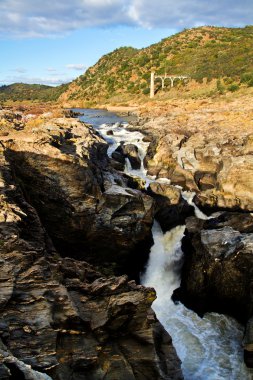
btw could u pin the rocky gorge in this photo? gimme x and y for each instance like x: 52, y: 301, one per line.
x: 69, y: 213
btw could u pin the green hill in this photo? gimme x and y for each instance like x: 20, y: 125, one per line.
x: 31, y: 92
x: 205, y: 52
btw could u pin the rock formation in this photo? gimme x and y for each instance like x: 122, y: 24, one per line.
x: 206, y: 147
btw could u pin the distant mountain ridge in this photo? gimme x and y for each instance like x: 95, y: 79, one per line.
x: 204, y: 52
x: 32, y: 92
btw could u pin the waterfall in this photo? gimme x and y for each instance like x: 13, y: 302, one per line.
x: 165, y: 256
x: 209, y: 347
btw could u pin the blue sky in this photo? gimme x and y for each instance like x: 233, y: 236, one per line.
x: 54, y: 41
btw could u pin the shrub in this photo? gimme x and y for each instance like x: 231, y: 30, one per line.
x: 250, y: 82
x: 146, y: 91
x: 233, y: 87
x: 220, y: 87
x: 247, y: 78
x: 228, y: 80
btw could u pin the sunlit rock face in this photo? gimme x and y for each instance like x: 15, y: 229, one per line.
x: 219, y: 170
x: 204, y: 146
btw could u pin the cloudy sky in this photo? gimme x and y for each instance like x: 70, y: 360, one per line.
x: 53, y: 41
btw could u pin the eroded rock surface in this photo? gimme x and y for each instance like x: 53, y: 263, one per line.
x: 129, y: 151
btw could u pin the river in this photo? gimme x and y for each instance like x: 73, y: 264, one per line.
x: 209, y: 347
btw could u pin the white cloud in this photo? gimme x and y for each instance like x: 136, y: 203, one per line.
x: 76, y: 66
x: 185, y: 13
x: 33, y: 18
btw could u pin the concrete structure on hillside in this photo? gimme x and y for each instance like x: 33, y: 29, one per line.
x: 163, y: 78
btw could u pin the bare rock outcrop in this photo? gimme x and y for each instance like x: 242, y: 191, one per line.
x: 219, y: 170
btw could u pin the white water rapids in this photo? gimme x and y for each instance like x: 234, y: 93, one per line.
x: 210, y: 347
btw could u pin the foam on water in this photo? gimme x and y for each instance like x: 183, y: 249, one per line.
x: 122, y: 134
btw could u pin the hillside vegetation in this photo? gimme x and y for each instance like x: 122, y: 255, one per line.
x: 31, y: 92
x: 224, y: 54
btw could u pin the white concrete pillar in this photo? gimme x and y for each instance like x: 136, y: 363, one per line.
x: 152, y: 84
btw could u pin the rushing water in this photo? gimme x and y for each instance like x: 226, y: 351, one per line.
x: 210, y: 347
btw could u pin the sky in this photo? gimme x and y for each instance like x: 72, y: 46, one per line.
x: 54, y: 41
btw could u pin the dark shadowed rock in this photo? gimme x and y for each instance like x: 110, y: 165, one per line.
x: 242, y: 222
x: 119, y: 157
x: 117, y: 165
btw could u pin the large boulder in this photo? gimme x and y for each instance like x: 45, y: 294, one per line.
x: 217, y: 273
x: 132, y: 153
x: 118, y: 156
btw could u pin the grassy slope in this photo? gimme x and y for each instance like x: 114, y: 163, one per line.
x: 205, y: 52
x: 31, y: 92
